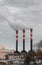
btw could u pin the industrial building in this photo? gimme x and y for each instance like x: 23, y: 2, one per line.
x: 19, y: 57
x: 4, y: 52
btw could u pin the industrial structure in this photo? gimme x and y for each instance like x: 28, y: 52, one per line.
x: 17, y: 57
x: 23, y: 53
x: 16, y: 53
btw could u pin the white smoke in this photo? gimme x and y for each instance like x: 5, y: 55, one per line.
x: 6, y: 16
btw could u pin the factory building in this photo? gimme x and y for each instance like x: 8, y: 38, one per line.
x: 20, y: 56
x: 16, y: 53
x: 23, y: 53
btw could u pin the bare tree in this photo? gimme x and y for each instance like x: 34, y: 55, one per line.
x: 38, y: 46
x: 30, y: 58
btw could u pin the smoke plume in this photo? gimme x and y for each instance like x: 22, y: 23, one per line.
x: 6, y: 16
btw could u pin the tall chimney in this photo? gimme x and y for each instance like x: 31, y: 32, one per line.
x: 23, y: 39
x: 16, y: 40
x: 31, y: 38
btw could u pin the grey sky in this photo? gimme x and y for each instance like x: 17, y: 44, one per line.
x: 20, y: 12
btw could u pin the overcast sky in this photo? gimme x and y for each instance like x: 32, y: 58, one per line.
x: 14, y: 13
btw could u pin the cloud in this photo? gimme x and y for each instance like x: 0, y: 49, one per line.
x: 19, y: 3
x: 23, y: 3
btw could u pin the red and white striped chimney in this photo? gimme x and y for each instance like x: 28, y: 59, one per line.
x: 16, y: 40
x: 31, y: 38
x: 23, y: 39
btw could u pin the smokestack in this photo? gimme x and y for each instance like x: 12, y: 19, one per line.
x: 16, y: 40
x: 23, y: 39
x: 31, y: 38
